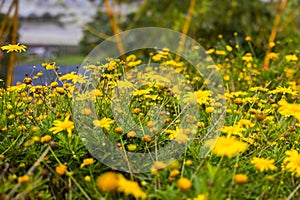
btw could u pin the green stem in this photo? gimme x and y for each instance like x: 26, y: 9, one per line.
x: 69, y: 174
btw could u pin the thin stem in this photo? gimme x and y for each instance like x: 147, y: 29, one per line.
x: 273, y: 33
x: 294, y: 191
x: 185, y: 28
x: 114, y: 26
x: 69, y: 174
x: 32, y: 168
x: 12, y: 57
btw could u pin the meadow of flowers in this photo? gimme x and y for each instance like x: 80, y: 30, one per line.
x: 256, y: 154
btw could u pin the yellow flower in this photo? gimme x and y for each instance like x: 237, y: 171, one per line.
x: 292, y: 58
x: 287, y: 109
x: 200, y: 124
x: 131, y: 147
x: 62, y: 126
x: 112, y: 65
x: 201, y: 197
x: 188, y: 162
x: 173, y: 63
x: 289, y: 72
x: 263, y: 164
x: 54, y: 84
x: 134, y: 63
x: 131, y: 57
x: 247, y: 57
x: 27, y: 80
x: 22, y: 128
x: 226, y: 77
x: 233, y: 130
x: 220, y: 52
x: 272, y: 44
x: 228, y: 48
x: 172, y: 133
x: 66, y: 77
x: 246, y: 123
x: 147, y: 138
x: 16, y: 48
x: 86, y: 111
x: 228, y: 146
x: 283, y: 90
x: 292, y: 162
x: 130, y: 188
x: 273, y: 55
x: 184, y: 184
x: 118, y: 130
x: 141, y: 92
x: 209, y: 109
x: 23, y: 179
x: 103, y: 123
x: 174, y: 172
x: 87, y: 178
x: 248, y: 38
x: 131, y: 134
x: 240, y: 178
x: 201, y: 97
x: 131, y: 60
x: 210, y: 51
x: 107, y: 182
x: 49, y: 66
x: 61, y: 169
x: 45, y: 139
x: 87, y: 161
x: 158, y: 57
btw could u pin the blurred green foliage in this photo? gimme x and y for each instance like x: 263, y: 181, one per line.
x: 210, y: 18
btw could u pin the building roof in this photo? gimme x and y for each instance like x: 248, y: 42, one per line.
x: 39, y: 33
x: 58, y: 22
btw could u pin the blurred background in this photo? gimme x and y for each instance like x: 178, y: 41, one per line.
x: 65, y: 31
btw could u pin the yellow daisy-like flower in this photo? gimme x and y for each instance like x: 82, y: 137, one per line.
x: 248, y: 39
x: 273, y: 56
x: 49, y: 66
x: 14, y: 47
x: 158, y: 57
x: 287, y: 109
x: 201, y: 197
x: 23, y: 179
x: 107, y: 182
x: 111, y: 181
x: 184, y: 183
x: 60, y: 126
x: 134, y: 63
x: 247, y: 57
x: 283, y: 90
x: 45, y: 139
x: 291, y: 58
x: 201, y: 97
x: 130, y: 188
x: 233, y: 130
x: 103, y: 123
x: 263, y: 164
x: 292, y: 162
x: 141, y: 92
x: 240, y: 179
x: 174, y: 172
x: 87, y: 161
x: 228, y: 48
x: 221, y: 52
x: 131, y: 57
x: 228, y: 146
x: 61, y: 169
